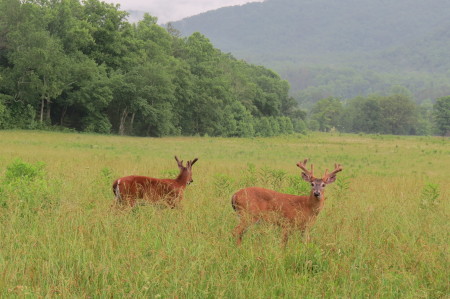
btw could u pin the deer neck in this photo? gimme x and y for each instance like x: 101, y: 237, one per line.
x: 182, y: 178
x: 316, y: 204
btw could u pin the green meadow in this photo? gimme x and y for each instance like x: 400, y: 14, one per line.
x: 383, y: 233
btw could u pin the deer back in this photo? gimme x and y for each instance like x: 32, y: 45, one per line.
x: 264, y: 204
x: 144, y: 187
x: 128, y: 189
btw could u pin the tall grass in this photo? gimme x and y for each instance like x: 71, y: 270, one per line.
x: 383, y: 231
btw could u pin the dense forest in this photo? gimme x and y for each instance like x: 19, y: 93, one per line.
x: 81, y: 65
x: 339, y: 48
x: 66, y: 64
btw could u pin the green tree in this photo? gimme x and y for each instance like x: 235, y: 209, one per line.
x: 327, y: 113
x: 298, y: 119
x: 425, y: 118
x: 263, y: 127
x: 244, y: 119
x: 441, y: 114
x: 363, y: 114
x: 399, y: 115
x: 3, y: 113
x: 210, y: 86
x: 107, y: 26
x: 286, y: 126
x: 40, y: 66
x: 154, y: 99
x: 91, y: 100
x: 67, y: 21
x: 394, y: 114
x: 124, y: 104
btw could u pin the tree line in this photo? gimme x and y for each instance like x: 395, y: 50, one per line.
x: 66, y: 64
x: 396, y: 114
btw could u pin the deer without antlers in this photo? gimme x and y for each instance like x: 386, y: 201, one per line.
x: 289, y: 211
x: 169, y: 191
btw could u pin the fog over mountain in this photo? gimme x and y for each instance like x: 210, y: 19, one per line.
x: 173, y: 10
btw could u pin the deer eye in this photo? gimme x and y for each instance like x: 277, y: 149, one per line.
x: 323, y: 185
x: 312, y: 184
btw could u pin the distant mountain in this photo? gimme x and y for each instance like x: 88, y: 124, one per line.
x: 340, y: 48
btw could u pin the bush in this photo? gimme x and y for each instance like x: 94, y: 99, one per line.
x: 97, y: 124
x: 19, y: 170
x: 430, y: 195
x: 300, y: 126
x: 16, y: 116
x: 26, y: 190
x: 224, y: 185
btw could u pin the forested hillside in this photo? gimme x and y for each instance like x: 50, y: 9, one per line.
x: 83, y: 66
x: 340, y: 48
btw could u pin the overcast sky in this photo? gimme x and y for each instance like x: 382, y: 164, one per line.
x: 174, y: 10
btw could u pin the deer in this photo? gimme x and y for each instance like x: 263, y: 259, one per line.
x: 255, y: 204
x: 129, y: 189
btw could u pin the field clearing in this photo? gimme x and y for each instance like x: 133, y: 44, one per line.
x: 384, y: 230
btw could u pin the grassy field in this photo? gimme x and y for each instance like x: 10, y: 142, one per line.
x: 383, y: 233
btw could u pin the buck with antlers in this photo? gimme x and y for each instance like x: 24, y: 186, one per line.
x: 169, y: 191
x: 289, y: 211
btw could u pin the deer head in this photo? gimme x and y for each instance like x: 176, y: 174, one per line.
x: 186, y: 171
x: 318, y: 185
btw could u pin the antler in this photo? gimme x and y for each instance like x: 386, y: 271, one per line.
x: 180, y: 163
x: 337, y: 168
x: 190, y: 163
x: 302, y: 166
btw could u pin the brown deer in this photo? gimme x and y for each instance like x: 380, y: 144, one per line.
x: 289, y: 211
x: 169, y: 191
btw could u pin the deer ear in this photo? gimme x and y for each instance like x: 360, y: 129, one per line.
x: 330, y: 179
x: 306, y: 177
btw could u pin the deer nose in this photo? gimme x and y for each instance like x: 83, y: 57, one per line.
x: 316, y: 193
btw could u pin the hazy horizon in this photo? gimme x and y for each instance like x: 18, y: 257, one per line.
x: 175, y: 10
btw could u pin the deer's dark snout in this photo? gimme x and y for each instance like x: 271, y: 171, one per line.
x: 316, y: 193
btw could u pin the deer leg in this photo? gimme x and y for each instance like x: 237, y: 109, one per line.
x: 125, y: 196
x: 285, y: 238
x: 306, y: 236
x: 239, y: 230
x: 173, y: 200
x: 130, y: 201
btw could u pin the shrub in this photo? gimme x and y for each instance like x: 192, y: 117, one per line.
x: 19, y: 170
x: 224, y: 185
x: 430, y: 195
x: 25, y: 188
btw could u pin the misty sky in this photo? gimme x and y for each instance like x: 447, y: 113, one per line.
x: 174, y: 10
